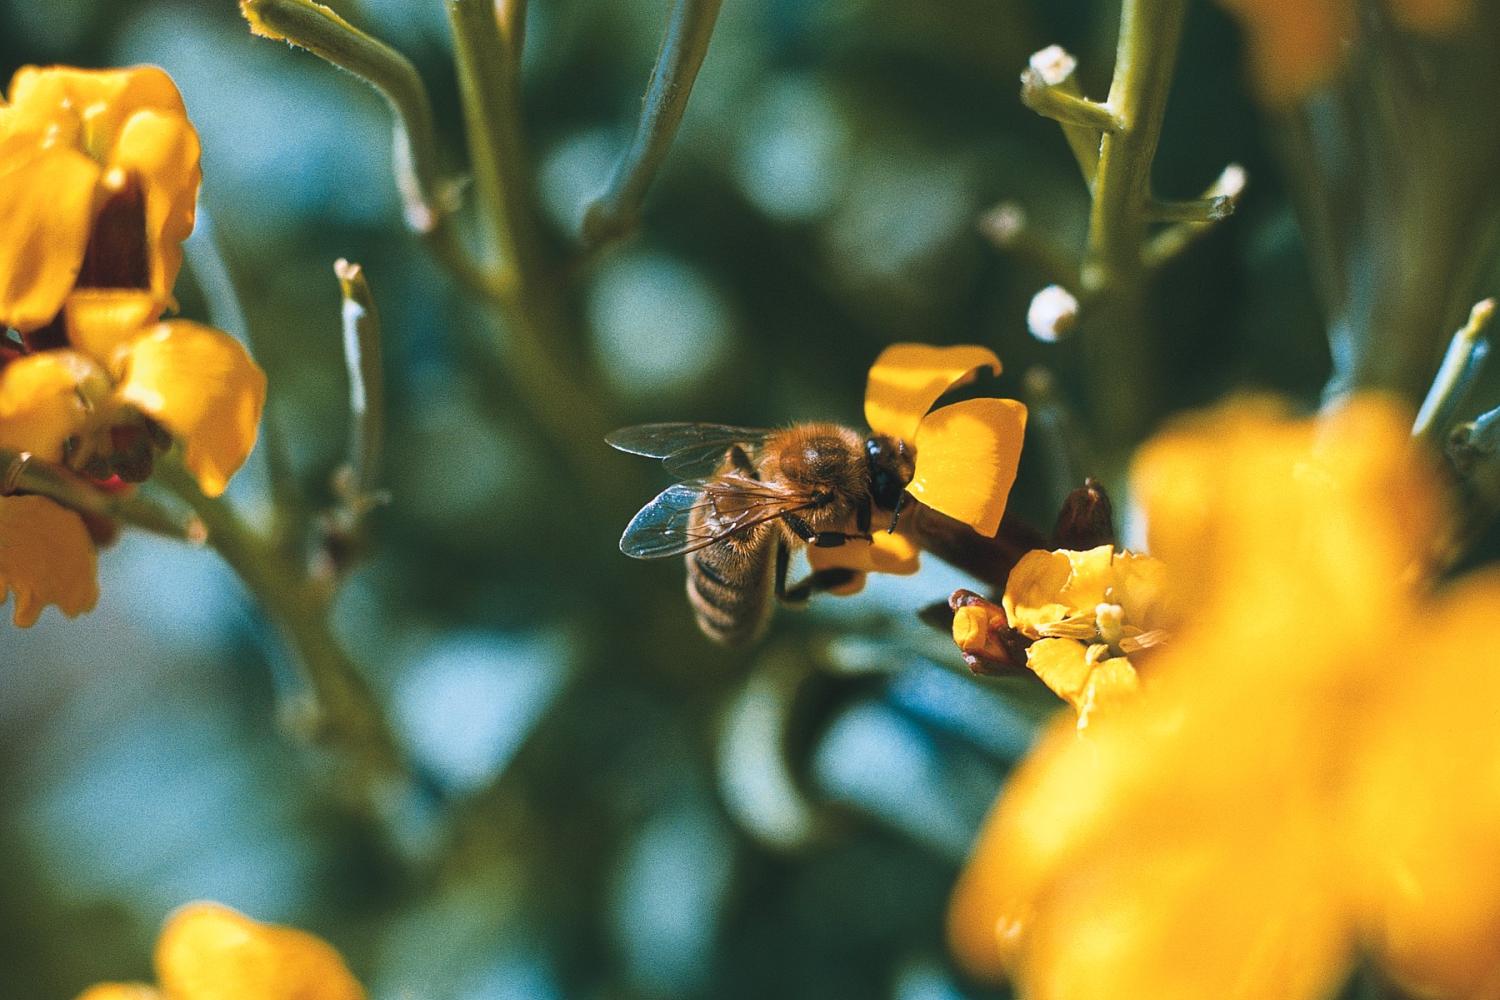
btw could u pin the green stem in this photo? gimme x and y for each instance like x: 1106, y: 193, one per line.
x: 537, y: 358
x: 1114, y: 268
x: 348, y: 716
x: 684, y: 45
x: 362, y: 354
x: 21, y: 473
x: 425, y: 197
x: 1054, y: 69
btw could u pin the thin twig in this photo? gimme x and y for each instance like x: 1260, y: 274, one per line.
x: 690, y: 26
x: 428, y: 201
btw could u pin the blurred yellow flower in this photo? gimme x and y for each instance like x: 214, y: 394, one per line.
x: 1314, y: 772
x: 1296, y: 45
x: 98, y: 185
x: 210, y: 952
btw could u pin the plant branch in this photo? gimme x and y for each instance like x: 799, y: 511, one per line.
x: 690, y: 26
x: 428, y: 202
x: 348, y: 716
x: 534, y: 356
x: 362, y: 354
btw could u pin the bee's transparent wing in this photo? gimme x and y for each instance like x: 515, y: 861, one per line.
x: 687, y: 516
x: 688, y: 449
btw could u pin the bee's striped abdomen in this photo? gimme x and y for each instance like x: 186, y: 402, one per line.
x: 729, y: 586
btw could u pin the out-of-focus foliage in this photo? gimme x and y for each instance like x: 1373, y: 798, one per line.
x: 639, y: 813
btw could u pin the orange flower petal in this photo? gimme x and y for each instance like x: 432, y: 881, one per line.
x: 101, y: 321
x: 121, y: 991
x: 1426, y: 806
x: 967, y: 455
x: 210, y: 952
x: 202, y: 385
x: 161, y: 151
x: 46, y: 557
x: 99, y: 101
x: 43, y: 401
x: 1294, y: 45
x: 46, y: 211
x: 888, y: 553
x: 908, y: 378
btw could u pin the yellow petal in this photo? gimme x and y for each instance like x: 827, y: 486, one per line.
x: 160, y: 150
x: 967, y: 455
x: 1175, y: 850
x: 202, y: 385
x: 1063, y: 665
x: 210, y: 952
x: 121, y: 991
x: 1033, y: 591
x: 908, y: 378
x: 1294, y: 45
x: 100, y: 321
x: 1262, y: 516
x: 46, y: 210
x: 98, y: 101
x: 1426, y: 806
x: 888, y: 553
x: 46, y: 557
x: 1141, y: 587
x: 1112, y: 683
x: 44, y: 400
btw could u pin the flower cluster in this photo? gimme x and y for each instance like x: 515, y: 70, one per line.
x: 99, y: 179
x: 1313, y: 772
x: 210, y: 952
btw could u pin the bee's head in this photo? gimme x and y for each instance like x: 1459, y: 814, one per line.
x: 891, y: 466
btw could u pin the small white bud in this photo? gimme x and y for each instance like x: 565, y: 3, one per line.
x: 1053, y: 314
x: 1231, y: 183
x: 1004, y: 223
x: 1054, y: 64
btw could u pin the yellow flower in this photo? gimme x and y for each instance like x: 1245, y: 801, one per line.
x: 210, y: 952
x: 98, y: 184
x: 966, y: 452
x: 1314, y: 772
x: 1296, y: 45
x: 1086, y: 612
x: 75, y: 404
x: 100, y: 406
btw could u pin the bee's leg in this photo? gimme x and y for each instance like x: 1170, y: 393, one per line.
x: 821, y: 539
x: 823, y: 579
x: 741, y: 461
x: 862, y: 515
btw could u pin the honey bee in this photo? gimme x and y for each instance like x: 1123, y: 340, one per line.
x: 748, y: 498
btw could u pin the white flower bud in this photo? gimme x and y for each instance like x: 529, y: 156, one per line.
x: 1053, y: 314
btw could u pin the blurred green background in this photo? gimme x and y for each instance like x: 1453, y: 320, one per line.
x: 611, y: 806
